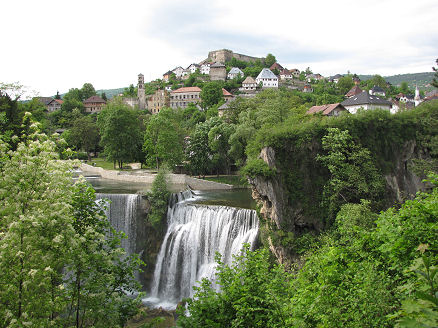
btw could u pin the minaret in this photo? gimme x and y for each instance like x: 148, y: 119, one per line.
x: 417, y: 99
x: 141, y: 92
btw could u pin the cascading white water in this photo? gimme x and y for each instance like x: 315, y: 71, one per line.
x: 195, y: 233
x: 122, y: 213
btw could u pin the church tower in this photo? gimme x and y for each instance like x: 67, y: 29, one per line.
x: 417, y: 98
x: 141, y: 92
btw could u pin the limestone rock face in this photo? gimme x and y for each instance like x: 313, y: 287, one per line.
x: 402, y: 183
x: 282, y: 213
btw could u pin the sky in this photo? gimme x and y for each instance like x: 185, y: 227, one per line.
x: 51, y: 46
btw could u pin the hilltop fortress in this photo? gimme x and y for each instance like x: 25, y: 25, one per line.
x: 225, y: 55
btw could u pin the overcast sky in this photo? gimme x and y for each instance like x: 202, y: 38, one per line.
x: 57, y: 45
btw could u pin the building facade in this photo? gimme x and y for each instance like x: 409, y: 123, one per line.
x: 248, y: 85
x: 235, y: 72
x: 218, y: 72
x: 158, y: 100
x: 366, y: 101
x: 54, y: 105
x: 267, y: 79
x: 94, y: 104
x: 180, y: 98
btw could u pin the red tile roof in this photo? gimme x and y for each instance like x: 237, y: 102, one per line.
x: 187, y: 89
x: 94, y: 99
x: 226, y: 93
x: 276, y: 66
x: 59, y: 101
x: 353, y: 91
x: 325, y: 109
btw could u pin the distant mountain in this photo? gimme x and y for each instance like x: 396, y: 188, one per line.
x: 423, y: 80
x: 110, y: 92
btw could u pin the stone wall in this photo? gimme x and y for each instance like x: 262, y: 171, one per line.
x: 225, y: 55
x: 218, y: 73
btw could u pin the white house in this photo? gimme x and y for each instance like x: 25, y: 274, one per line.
x: 267, y: 78
x: 335, y: 78
x: 185, y: 72
x: 205, y: 68
x: 235, y: 72
x: 377, y: 91
x: 178, y: 71
x: 366, y: 101
x: 192, y: 68
x: 286, y: 75
x: 249, y: 84
x: 295, y: 72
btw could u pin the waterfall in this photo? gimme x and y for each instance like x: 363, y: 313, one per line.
x: 195, y: 233
x: 122, y: 213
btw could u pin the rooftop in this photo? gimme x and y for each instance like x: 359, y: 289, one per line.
x: 94, y: 99
x: 325, y: 109
x: 266, y: 73
x: 249, y: 80
x: 187, y: 89
x: 353, y: 91
x: 365, y: 98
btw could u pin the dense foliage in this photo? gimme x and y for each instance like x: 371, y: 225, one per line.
x: 358, y: 274
x: 120, y: 132
x: 158, y: 198
x: 60, y: 261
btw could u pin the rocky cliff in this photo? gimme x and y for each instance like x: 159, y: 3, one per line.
x: 290, y: 201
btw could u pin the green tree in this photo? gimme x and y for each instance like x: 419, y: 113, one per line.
x: 120, y: 132
x: 101, y: 275
x: 87, y: 91
x: 270, y: 60
x: 218, y: 141
x: 252, y: 294
x: 11, y: 118
x: 404, y: 88
x: 159, y: 198
x: 344, y: 84
x: 60, y: 262
x: 435, y: 77
x: 36, y: 234
x: 211, y: 94
x: 84, y: 134
x: 377, y: 80
x: 130, y: 91
x: 163, y: 139
x: 353, y: 174
x: 69, y: 104
x: 198, y: 151
x: 103, y: 96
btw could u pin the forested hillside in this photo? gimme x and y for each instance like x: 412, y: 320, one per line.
x: 423, y: 80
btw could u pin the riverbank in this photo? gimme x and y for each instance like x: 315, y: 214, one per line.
x: 148, y: 178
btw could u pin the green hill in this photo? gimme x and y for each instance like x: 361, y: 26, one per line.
x: 110, y: 92
x: 423, y: 80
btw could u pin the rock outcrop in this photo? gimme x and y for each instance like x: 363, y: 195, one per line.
x: 282, y: 212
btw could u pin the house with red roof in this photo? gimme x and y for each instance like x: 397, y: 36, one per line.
x: 328, y: 110
x: 276, y: 66
x: 183, y: 96
x: 94, y: 104
x: 54, y: 104
x: 227, y: 95
x: 353, y: 91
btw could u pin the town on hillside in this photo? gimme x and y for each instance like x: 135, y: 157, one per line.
x: 242, y: 76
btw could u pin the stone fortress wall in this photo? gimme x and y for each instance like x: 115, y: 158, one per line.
x: 225, y: 55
